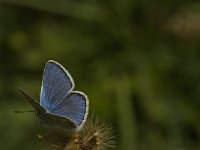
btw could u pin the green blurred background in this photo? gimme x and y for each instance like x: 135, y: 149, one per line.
x: 138, y: 61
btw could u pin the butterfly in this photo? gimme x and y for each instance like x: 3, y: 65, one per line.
x: 60, y: 106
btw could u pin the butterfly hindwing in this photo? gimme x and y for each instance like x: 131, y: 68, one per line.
x: 56, y: 121
x: 73, y: 106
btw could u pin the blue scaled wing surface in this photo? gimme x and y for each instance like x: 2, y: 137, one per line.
x: 57, y: 95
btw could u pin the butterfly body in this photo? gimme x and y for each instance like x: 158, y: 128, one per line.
x: 59, y: 105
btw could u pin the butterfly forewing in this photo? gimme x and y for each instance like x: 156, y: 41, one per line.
x: 32, y: 101
x: 56, y: 84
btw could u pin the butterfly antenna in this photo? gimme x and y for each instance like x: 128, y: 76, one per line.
x: 16, y: 111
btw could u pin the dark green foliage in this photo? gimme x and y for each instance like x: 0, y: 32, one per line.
x: 138, y: 62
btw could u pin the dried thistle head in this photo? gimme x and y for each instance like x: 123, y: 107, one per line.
x: 95, y: 135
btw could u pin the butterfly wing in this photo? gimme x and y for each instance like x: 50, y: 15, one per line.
x: 56, y: 84
x: 58, y: 98
x: 32, y: 101
x: 58, y: 122
x: 47, y: 118
x: 75, y: 107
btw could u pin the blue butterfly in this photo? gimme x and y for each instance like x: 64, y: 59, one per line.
x: 60, y: 106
